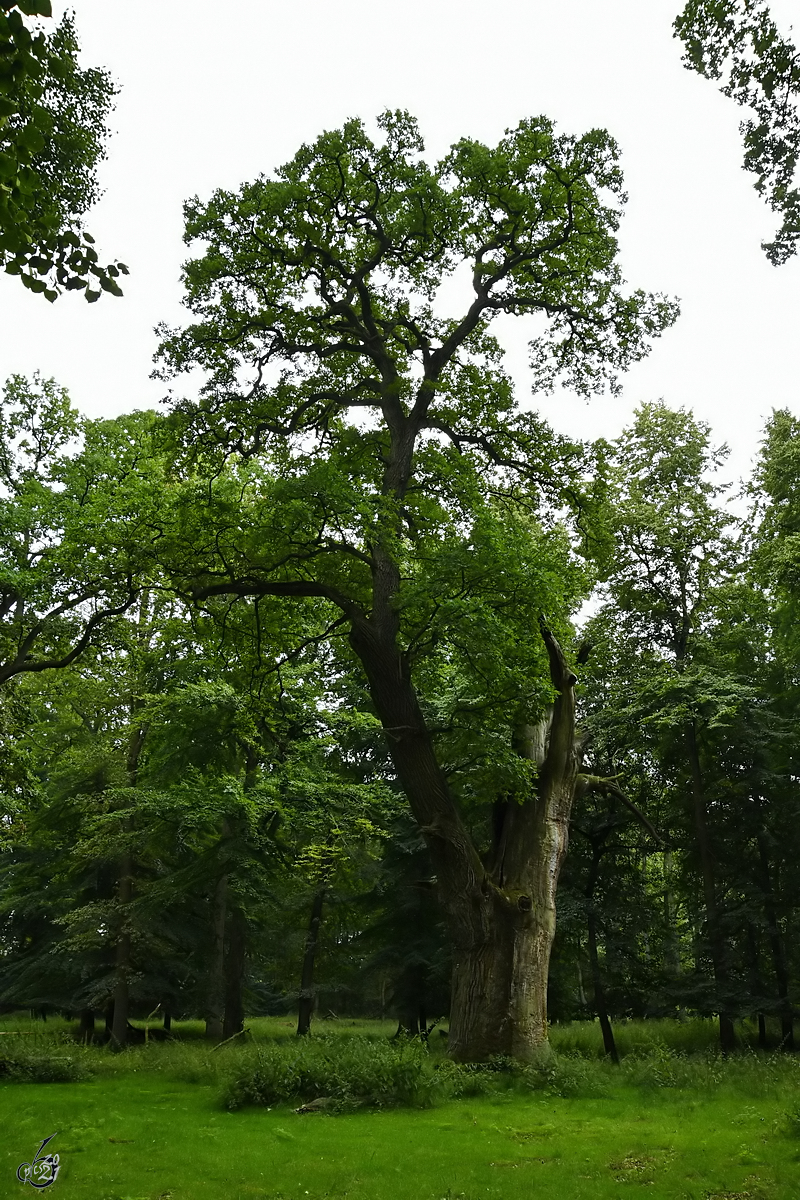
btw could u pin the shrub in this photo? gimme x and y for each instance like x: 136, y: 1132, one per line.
x: 344, y: 1071
x: 567, y: 1075
x: 21, y: 1065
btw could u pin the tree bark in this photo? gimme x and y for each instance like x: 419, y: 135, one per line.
x: 716, y: 939
x: 500, y: 916
x: 305, y: 1006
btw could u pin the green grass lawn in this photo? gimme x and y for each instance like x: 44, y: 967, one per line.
x: 665, y: 1126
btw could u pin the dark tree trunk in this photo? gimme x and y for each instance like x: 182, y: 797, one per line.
x: 234, y: 974
x: 776, y: 944
x: 756, y: 983
x: 306, y: 1002
x: 716, y: 938
x: 122, y: 965
x: 167, y: 1020
x: 672, y: 957
x: 86, y: 1027
x: 501, y: 916
x: 600, y: 1006
x: 215, y: 1001
x: 409, y: 999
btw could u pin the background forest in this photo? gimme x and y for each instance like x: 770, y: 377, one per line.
x: 201, y: 818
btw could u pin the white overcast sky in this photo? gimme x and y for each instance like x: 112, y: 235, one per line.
x: 212, y: 95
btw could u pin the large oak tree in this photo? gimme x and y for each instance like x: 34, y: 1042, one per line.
x: 379, y: 462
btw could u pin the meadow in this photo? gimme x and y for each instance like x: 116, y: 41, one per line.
x: 182, y: 1120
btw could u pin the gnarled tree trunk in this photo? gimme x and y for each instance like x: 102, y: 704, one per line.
x: 500, y: 914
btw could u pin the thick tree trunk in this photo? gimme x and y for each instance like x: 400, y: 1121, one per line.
x: 122, y: 965
x: 234, y: 974
x: 500, y: 916
x: 499, y: 988
x: 716, y: 939
x: 305, y: 1006
x: 215, y: 996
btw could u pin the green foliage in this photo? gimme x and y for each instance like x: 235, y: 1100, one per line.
x: 535, y: 217
x: 77, y: 505
x: 302, y: 273
x: 53, y: 116
x: 776, y: 495
x: 739, y: 42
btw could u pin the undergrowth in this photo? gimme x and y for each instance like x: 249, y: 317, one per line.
x: 346, y: 1066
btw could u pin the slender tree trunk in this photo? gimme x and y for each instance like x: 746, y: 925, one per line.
x: 123, y: 960
x: 776, y: 943
x: 409, y: 996
x: 716, y: 939
x: 122, y: 965
x: 581, y: 991
x: 234, y: 974
x: 672, y: 958
x: 756, y: 983
x: 167, y: 1020
x: 501, y: 917
x: 600, y: 1006
x: 306, y: 1002
x: 86, y: 1027
x: 215, y: 999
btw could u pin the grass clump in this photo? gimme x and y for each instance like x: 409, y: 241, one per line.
x: 568, y: 1075
x: 355, y: 1071
x: 42, y: 1064
x: 344, y: 1072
